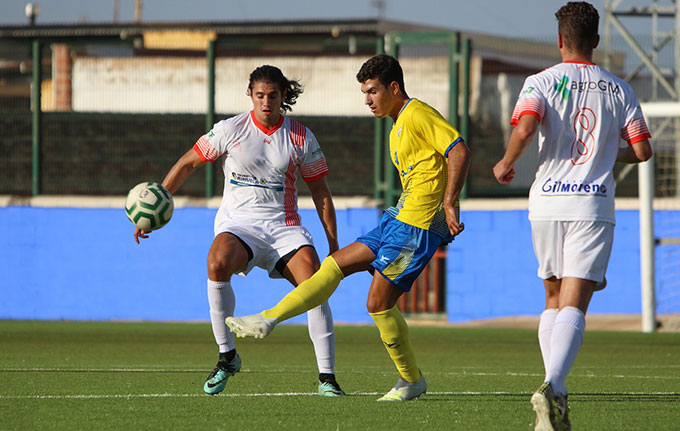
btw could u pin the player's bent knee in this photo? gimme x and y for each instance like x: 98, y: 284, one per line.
x: 376, y: 305
x: 220, y: 268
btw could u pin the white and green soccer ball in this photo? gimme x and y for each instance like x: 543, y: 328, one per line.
x: 149, y: 206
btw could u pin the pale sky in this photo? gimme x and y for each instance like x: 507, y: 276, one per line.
x: 511, y: 18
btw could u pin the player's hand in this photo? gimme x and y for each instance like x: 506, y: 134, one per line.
x: 141, y: 233
x: 503, y: 172
x: 455, y: 228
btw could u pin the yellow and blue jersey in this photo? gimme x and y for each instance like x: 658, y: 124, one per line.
x: 420, y: 141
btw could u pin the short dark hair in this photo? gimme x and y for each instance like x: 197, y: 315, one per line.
x: 577, y: 24
x: 383, y: 67
x: 273, y: 75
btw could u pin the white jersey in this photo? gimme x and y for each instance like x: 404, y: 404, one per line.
x: 260, y: 166
x: 583, y: 112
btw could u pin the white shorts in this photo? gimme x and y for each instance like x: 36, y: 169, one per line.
x: 269, y: 241
x: 579, y: 249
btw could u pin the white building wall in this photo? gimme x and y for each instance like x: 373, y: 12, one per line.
x: 158, y: 85
x: 178, y: 85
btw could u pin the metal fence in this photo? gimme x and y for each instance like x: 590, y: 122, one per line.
x: 115, y: 111
x: 98, y: 117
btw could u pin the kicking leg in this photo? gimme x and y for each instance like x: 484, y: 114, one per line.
x: 320, y: 286
x: 309, y: 294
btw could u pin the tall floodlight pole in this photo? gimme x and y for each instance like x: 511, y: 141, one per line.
x: 138, y: 11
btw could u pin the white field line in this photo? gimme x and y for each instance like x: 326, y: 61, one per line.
x: 297, y: 394
x: 592, y: 375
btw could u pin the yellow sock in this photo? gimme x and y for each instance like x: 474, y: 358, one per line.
x: 394, y: 335
x: 308, y: 294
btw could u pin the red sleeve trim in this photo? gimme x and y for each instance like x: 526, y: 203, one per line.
x: 316, y: 177
x: 515, y: 119
x: 635, y: 131
x: 205, y: 150
x: 639, y: 138
x: 314, y: 169
x: 200, y: 154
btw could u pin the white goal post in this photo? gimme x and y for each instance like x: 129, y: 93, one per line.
x: 647, y: 192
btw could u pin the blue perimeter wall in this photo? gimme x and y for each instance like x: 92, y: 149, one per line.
x: 83, y: 264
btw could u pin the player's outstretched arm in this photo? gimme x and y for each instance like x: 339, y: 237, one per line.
x: 179, y: 172
x: 520, y: 139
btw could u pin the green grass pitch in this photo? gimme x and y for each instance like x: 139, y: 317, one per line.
x: 139, y: 376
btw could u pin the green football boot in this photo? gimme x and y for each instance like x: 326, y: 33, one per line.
x: 217, y: 380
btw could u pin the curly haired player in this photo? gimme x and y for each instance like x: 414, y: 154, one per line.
x: 257, y: 223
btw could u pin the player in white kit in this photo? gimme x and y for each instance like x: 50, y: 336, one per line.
x: 581, y: 112
x: 257, y: 223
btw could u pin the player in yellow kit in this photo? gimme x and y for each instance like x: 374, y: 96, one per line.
x: 432, y: 161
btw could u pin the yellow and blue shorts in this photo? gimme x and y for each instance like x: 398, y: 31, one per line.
x: 401, y: 251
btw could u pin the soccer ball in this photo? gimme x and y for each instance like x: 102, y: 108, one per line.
x: 149, y: 206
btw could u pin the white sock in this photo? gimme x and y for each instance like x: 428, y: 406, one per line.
x: 545, y: 327
x: 222, y: 302
x: 566, y: 340
x: 320, y: 324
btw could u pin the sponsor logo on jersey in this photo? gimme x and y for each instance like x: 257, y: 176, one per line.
x: 529, y: 90
x: 267, y: 141
x: 557, y: 187
x: 247, y: 180
x: 601, y: 85
x: 562, y: 87
x: 211, y: 134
